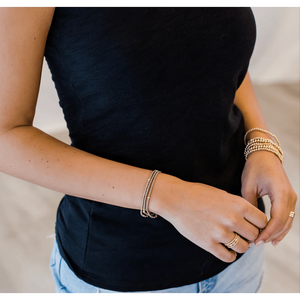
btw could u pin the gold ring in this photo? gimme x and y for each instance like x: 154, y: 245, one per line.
x: 233, y: 242
x: 292, y: 213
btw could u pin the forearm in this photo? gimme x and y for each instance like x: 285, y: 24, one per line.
x: 32, y: 155
x: 247, y: 102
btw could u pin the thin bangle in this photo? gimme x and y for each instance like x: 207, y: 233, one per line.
x: 262, y: 130
x: 147, y: 194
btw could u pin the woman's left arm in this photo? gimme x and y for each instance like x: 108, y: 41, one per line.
x: 263, y: 173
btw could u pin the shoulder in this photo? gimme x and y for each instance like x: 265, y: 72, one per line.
x: 23, y: 35
x: 22, y: 23
x: 12, y: 17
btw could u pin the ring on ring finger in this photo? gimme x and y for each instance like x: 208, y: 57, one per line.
x: 237, y: 244
x: 233, y: 242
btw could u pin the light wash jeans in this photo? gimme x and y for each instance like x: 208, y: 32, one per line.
x: 243, y: 276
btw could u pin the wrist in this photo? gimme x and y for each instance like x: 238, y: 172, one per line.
x: 165, y: 191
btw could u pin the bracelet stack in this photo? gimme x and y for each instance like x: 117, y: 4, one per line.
x: 147, y: 194
x: 259, y: 144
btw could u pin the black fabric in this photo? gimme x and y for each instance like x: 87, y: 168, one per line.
x: 153, y: 88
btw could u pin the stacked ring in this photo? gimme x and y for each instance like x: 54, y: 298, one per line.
x: 233, y: 242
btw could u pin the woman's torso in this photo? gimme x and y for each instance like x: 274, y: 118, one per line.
x: 153, y: 88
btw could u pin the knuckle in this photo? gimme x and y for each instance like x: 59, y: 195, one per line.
x: 245, y: 208
x: 220, y: 233
x: 288, y: 194
x: 254, y: 234
x: 246, y: 191
x: 281, y: 193
x: 294, y: 197
x: 267, y: 235
x: 234, y: 222
x: 210, y: 246
x: 264, y: 220
x: 279, y: 225
x: 244, y: 248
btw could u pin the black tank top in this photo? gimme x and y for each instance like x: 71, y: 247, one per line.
x: 152, y: 88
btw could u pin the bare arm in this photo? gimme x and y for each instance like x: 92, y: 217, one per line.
x: 263, y: 173
x: 30, y: 154
x: 246, y: 101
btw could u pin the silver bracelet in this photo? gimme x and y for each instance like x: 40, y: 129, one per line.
x: 147, y: 194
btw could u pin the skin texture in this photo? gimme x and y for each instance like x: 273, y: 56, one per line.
x: 30, y: 154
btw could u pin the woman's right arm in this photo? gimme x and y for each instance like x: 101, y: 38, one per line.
x: 27, y: 152
x: 32, y: 155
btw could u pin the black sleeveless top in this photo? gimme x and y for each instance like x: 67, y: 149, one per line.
x: 152, y: 88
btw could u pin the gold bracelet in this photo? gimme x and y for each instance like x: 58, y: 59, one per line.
x: 147, y: 194
x: 250, y: 148
x: 263, y: 143
x: 260, y: 143
x: 262, y: 130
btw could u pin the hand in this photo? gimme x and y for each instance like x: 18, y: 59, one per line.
x: 264, y: 175
x: 207, y: 216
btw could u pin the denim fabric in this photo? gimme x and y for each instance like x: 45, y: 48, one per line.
x: 243, y: 276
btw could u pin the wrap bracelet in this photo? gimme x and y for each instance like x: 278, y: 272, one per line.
x: 261, y: 130
x: 147, y: 194
x: 263, y: 144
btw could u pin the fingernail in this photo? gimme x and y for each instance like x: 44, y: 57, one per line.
x: 259, y: 243
x: 251, y: 244
x: 274, y: 243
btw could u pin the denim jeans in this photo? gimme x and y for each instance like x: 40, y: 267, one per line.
x: 243, y: 276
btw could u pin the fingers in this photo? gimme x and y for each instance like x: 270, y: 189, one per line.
x: 222, y: 253
x: 255, y: 216
x: 282, y: 235
x: 275, y: 231
x: 229, y: 255
x: 278, y: 223
x: 225, y: 254
x: 250, y: 195
x: 241, y: 247
x: 246, y: 230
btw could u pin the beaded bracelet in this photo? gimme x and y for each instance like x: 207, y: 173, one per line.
x: 259, y: 144
x: 259, y: 147
x: 147, y: 194
x: 263, y: 143
x: 262, y: 130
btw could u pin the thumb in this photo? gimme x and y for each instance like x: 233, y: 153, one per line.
x: 249, y: 193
